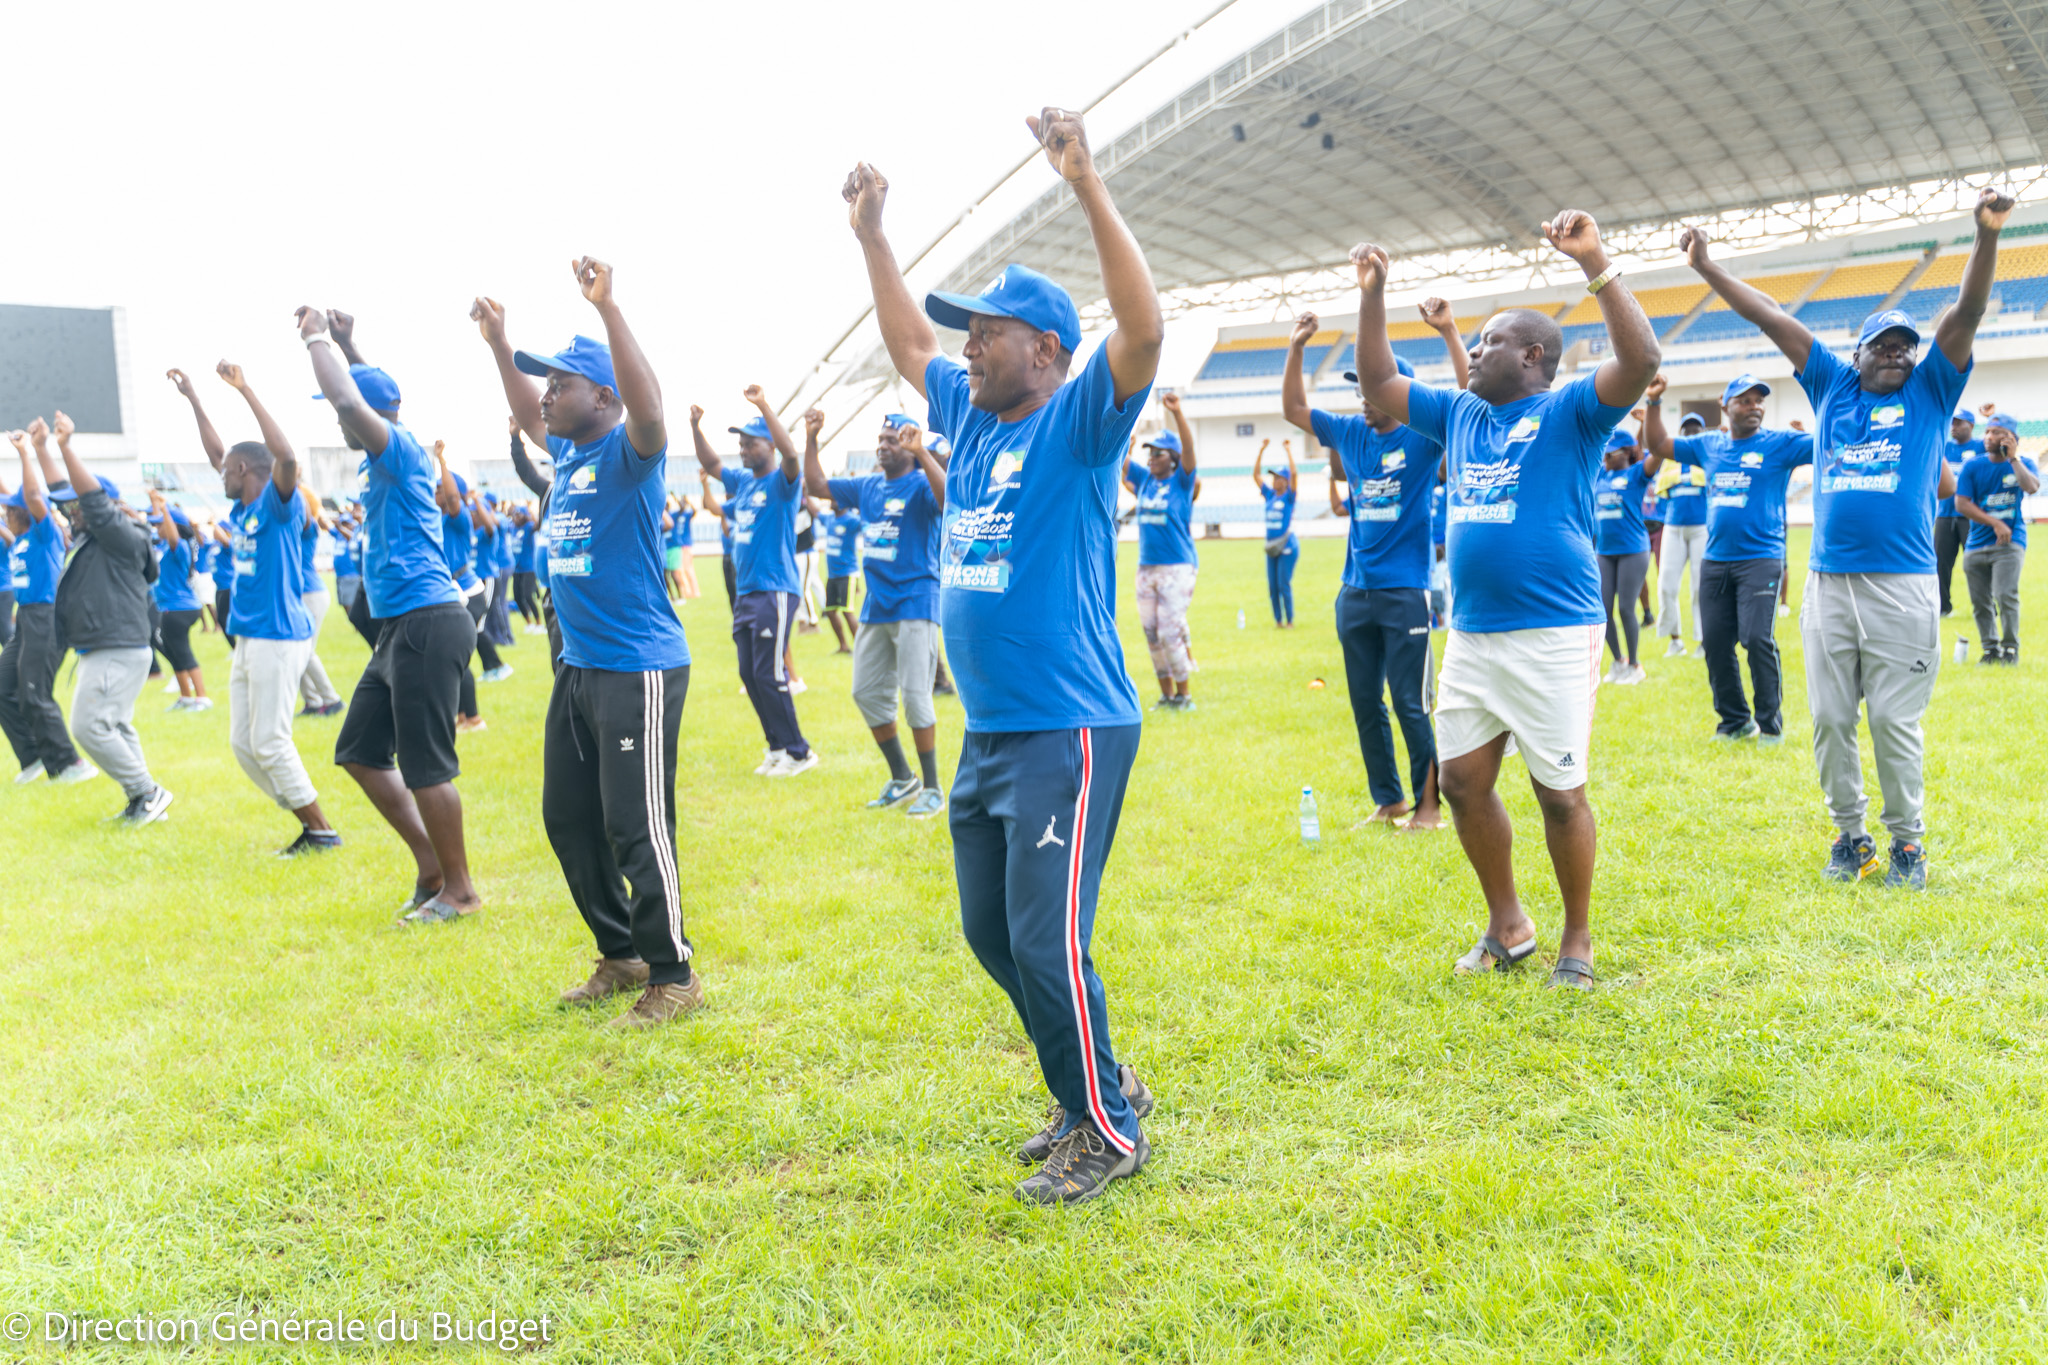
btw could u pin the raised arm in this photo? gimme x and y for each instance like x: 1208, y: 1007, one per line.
x: 1634, y: 353
x: 342, y: 328
x: 639, y: 390
x: 814, y: 468
x: 522, y: 391
x: 522, y: 463
x: 912, y: 440
x: 1171, y: 402
x: 446, y: 496
x: 481, y: 516
x: 1437, y: 313
x: 360, y: 419
x: 1657, y: 445
x: 1750, y: 304
x: 1293, y: 385
x: 712, y: 506
x: 1956, y: 332
x: 1293, y: 475
x: 1385, y: 387
x: 1336, y: 503
x: 1257, y: 460
x: 32, y: 496
x: 791, y: 465
x: 83, y: 480
x: 1126, y: 280
x: 284, y: 463
x: 39, y: 437
x: 706, y: 456
x: 209, y: 439
x: 906, y: 331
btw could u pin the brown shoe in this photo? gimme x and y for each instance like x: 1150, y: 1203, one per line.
x: 613, y: 974
x: 660, y: 1003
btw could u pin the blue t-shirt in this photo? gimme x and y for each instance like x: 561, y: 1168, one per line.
x: 1521, y: 502
x: 223, y: 560
x: 605, y: 563
x: 1279, y: 511
x: 344, y: 554
x: 487, y: 542
x: 1389, y: 475
x: 41, y: 554
x: 763, y: 513
x: 1877, y: 463
x: 678, y: 533
x: 402, y: 565
x: 1995, y: 488
x: 6, y: 567
x: 174, y: 569
x: 1618, y: 511
x: 458, y: 550
x: 1745, y: 488
x: 1027, y: 569
x: 900, y: 525
x: 309, y: 564
x: 1165, y: 509
x: 522, y: 548
x: 266, y: 603
x: 1436, y: 514
x: 842, y: 545
x: 1685, y: 502
x: 1955, y: 456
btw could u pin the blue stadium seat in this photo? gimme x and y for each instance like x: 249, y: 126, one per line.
x: 1255, y: 364
x: 1839, y: 315
x: 2024, y: 297
x: 1724, y: 325
x: 1664, y: 322
x: 1585, y: 331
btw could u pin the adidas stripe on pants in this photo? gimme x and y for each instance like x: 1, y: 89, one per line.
x: 608, y: 791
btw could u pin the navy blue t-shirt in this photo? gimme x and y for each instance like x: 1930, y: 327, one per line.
x: 1955, y: 456
x: 1877, y: 463
x: 1521, y: 502
x: 40, y: 554
x: 1389, y: 476
x: 1618, y: 511
x: 174, y: 569
x: 1995, y: 488
x: 1279, y: 511
x: 1166, y: 507
x: 1027, y: 572
x: 266, y: 603
x: 900, y: 525
x: 1745, y: 488
x: 606, y: 568
x: 763, y: 513
x: 402, y: 565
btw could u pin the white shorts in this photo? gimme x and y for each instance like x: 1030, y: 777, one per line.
x: 1536, y: 686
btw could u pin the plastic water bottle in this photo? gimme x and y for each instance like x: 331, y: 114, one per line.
x: 1962, y: 649
x: 1311, y: 825
x: 1240, y: 618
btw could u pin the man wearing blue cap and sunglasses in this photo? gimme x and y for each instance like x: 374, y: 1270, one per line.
x: 1747, y: 470
x: 1870, y: 620
x: 1951, y: 528
x: 1028, y: 599
x: 28, y: 665
x: 398, y: 738
x: 1165, y: 489
x: 609, y: 781
x: 1991, y: 494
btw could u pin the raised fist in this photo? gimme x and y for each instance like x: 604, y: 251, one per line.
x: 594, y: 278
x: 65, y: 426
x: 696, y: 414
x: 1305, y: 326
x: 1371, y: 264
x: 1059, y: 131
x: 1693, y: 242
x: 1575, y: 234
x: 341, y: 324
x: 177, y: 378
x: 439, y: 448
x: 1657, y: 387
x: 754, y: 395
x: 489, y: 316
x: 232, y: 373
x: 1993, y: 208
x: 1170, y: 401
x: 814, y: 422
x: 864, y: 192
x: 38, y: 430
x: 1437, y: 313
x: 312, y: 323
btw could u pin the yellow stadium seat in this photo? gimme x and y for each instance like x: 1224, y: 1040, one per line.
x: 1854, y: 281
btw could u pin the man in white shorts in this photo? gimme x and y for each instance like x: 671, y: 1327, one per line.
x: 1523, y: 657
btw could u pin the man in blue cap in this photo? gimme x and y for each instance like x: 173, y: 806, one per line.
x: 1522, y: 661
x: 398, y: 739
x: 1870, y: 620
x: 1951, y: 528
x: 1388, y: 471
x: 1165, y: 489
x: 28, y: 665
x: 1747, y: 469
x: 762, y: 500
x: 1679, y: 548
x: 1027, y: 596
x: 897, y: 646
x: 609, y: 753
x: 1991, y: 494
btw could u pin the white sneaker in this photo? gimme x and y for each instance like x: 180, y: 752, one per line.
x: 770, y: 761
x: 1699, y: 651
x: 1676, y: 649
x: 1784, y: 610
x: 1614, y: 673
x: 81, y: 771
x: 29, y: 774
x: 199, y: 703
x: 1631, y: 674
x: 790, y: 767
x: 797, y: 687
x: 498, y: 674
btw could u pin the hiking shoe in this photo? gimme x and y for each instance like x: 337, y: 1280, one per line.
x: 311, y: 841
x: 1851, y: 860
x: 929, y: 802
x: 29, y: 774
x: 613, y: 974
x: 148, y: 808
x: 1080, y: 1166
x: 1039, y: 1145
x: 81, y: 771
x: 1909, y: 866
x: 661, y: 1003
x: 896, y: 793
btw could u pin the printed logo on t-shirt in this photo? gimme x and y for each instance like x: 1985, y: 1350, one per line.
x: 569, y: 552
x: 1607, y: 505
x: 1731, y: 486
x: 1007, y: 470
x: 1486, y: 492
x: 1524, y: 430
x: 976, y: 555
x: 1376, y: 500
x: 1864, y: 467
x: 584, y: 479
x: 1152, y: 505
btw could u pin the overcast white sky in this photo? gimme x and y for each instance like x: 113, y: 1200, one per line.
x: 211, y: 167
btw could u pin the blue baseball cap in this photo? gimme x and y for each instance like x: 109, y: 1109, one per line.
x: 1691, y: 417
x: 2005, y: 421
x: 1406, y: 370
x: 1019, y: 292
x: 14, y: 500
x: 107, y: 486
x: 895, y: 421
x: 461, y: 484
x: 1165, y: 440
x: 756, y: 426
x: 178, y: 517
x: 1743, y: 383
x: 591, y: 359
x: 378, y: 389
x: 1965, y: 415
x: 61, y: 491
x: 1621, y: 440
x: 1891, y: 319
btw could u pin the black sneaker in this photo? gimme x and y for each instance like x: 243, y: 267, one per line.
x: 2011, y: 653
x: 148, y: 809
x: 1039, y: 1145
x: 311, y: 841
x: 1851, y: 860
x: 1992, y: 655
x: 1909, y: 866
x: 1080, y: 1167
x: 129, y: 812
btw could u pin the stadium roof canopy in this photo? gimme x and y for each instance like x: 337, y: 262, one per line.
x: 1436, y: 126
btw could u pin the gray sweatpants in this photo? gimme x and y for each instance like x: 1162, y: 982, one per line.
x: 1872, y: 640
x: 888, y: 655
x: 1993, y: 574
x: 314, y: 687
x: 103, y: 714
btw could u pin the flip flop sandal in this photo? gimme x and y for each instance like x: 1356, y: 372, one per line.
x: 1574, y: 973
x: 1491, y: 955
x: 420, y: 896
x: 433, y: 910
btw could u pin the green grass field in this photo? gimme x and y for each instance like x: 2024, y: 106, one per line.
x: 1796, y: 1121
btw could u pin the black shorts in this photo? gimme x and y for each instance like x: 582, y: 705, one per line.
x: 404, y: 704
x: 838, y: 592
x: 176, y: 632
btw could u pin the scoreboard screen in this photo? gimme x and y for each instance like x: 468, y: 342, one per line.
x: 53, y: 358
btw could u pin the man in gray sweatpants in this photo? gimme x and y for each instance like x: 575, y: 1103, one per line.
x: 1871, y: 617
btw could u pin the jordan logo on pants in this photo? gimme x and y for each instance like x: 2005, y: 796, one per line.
x: 1049, y: 837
